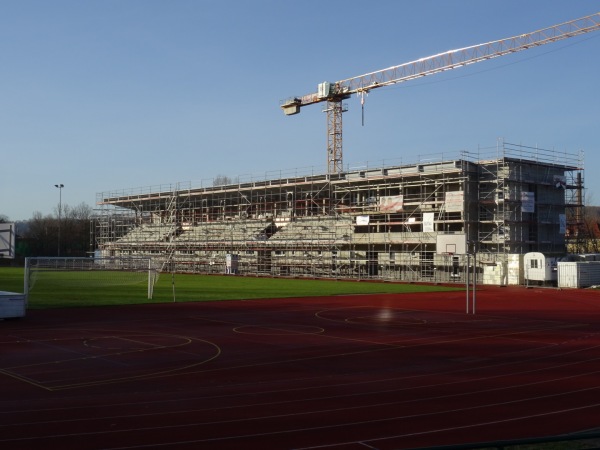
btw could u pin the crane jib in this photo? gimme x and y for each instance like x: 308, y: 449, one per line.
x: 452, y: 59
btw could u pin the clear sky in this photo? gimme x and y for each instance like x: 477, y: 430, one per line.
x: 112, y: 94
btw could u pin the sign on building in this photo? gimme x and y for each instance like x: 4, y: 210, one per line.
x: 362, y: 220
x: 391, y: 204
x: 454, y: 201
x: 562, y: 220
x: 428, y: 219
x: 528, y: 202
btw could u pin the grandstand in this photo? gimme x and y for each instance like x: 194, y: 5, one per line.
x: 412, y: 221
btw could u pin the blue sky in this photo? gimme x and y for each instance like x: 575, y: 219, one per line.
x: 108, y: 95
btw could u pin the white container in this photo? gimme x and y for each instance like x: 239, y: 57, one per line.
x: 539, y: 267
x: 12, y: 305
x: 231, y: 263
x: 578, y: 274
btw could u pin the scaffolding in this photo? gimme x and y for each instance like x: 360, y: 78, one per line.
x: 397, y: 221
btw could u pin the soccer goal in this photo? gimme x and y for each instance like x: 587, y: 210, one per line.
x: 56, y: 273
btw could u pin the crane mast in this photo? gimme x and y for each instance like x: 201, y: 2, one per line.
x: 335, y: 93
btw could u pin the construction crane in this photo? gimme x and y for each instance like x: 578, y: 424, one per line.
x: 335, y: 93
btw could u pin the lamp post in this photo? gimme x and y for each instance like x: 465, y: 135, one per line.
x: 59, y: 186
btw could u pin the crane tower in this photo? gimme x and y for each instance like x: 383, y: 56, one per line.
x: 335, y: 93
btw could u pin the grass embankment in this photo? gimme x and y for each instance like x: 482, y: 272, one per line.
x: 75, y: 289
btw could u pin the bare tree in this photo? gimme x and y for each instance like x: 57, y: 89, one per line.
x: 41, y: 232
x: 41, y: 235
x: 585, y: 231
x: 591, y: 219
x: 221, y: 180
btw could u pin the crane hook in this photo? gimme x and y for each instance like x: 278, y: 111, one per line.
x: 362, y: 104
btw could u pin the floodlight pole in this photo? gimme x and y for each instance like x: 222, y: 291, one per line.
x: 60, y: 187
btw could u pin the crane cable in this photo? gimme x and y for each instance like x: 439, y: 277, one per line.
x: 362, y: 95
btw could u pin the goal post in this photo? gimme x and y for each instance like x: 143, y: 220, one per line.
x: 89, y: 273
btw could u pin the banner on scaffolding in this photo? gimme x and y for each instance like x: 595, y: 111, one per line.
x: 560, y: 181
x: 428, y: 222
x: 527, y: 202
x: 391, y: 204
x: 562, y: 220
x: 362, y: 220
x: 454, y: 201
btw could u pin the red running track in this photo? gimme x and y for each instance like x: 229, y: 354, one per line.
x: 347, y: 372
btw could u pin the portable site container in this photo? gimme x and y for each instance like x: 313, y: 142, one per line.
x: 231, y: 263
x: 578, y: 274
x: 589, y: 257
x: 539, y: 267
x: 12, y: 305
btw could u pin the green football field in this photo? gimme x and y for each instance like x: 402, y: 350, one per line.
x: 74, y: 289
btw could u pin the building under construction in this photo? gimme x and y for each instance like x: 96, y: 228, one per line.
x: 413, y: 221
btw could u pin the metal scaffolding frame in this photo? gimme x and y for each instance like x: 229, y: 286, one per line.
x: 384, y: 222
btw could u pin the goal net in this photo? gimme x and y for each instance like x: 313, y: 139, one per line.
x: 89, y: 274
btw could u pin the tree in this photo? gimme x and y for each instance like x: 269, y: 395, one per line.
x: 584, y: 233
x: 75, y: 240
x: 40, y: 233
x: 221, y: 180
x: 591, y: 219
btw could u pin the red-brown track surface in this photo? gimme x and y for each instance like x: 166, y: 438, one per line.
x: 347, y: 372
